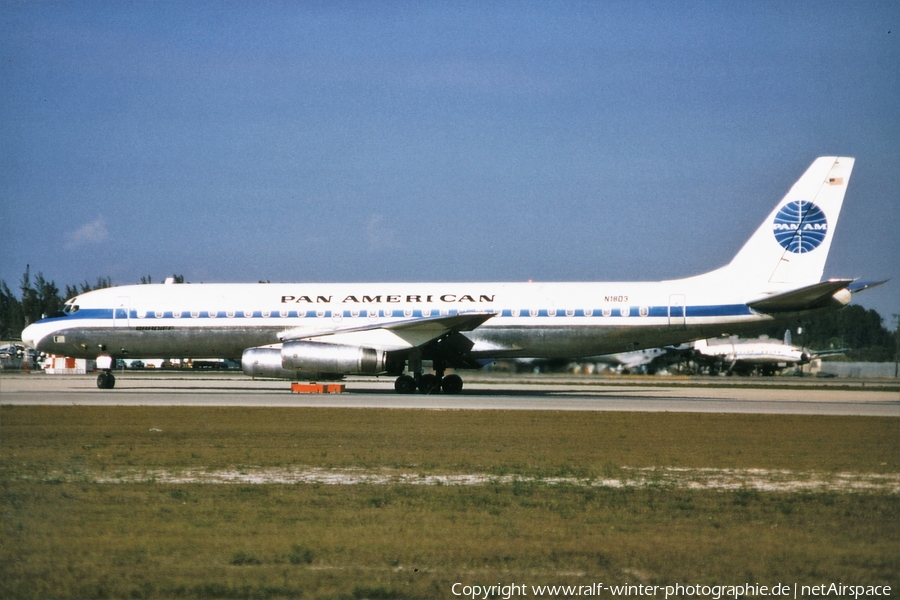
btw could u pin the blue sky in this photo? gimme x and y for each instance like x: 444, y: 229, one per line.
x: 404, y: 141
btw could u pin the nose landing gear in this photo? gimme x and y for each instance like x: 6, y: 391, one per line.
x: 106, y: 380
x: 105, y: 364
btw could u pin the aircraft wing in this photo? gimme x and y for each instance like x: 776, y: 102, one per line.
x: 805, y: 298
x: 399, y: 335
x: 818, y: 353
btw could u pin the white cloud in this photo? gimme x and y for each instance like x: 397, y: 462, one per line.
x: 88, y: 234
x: 379, y: 236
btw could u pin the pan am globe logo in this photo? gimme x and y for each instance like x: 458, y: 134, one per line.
x: 800, y: 226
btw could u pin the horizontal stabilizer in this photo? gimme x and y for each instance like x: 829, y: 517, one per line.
x: 858, y: 286
x: 805, y: 298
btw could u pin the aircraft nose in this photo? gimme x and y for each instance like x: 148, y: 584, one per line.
x: 29, y: 336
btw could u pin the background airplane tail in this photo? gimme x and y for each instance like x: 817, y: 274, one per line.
x: 791, y: 245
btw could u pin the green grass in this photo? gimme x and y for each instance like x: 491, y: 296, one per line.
x: 65, y: 536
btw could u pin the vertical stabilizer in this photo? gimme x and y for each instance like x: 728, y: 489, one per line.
x: 791, y: 245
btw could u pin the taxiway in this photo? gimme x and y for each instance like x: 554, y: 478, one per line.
x: 489, y: 393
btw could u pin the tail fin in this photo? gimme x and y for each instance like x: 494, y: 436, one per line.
x: 792, y: 243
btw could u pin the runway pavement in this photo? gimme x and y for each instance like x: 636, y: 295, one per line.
x: 807, y: 396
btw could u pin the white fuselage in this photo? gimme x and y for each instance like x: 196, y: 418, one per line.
x: 755, y: 352
x: 529, y: 319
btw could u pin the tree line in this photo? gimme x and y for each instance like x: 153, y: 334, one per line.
x: 853, y: 327
x: 39, y: 298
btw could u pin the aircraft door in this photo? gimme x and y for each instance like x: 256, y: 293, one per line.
x: 121, y: 316
x: 677, y: 311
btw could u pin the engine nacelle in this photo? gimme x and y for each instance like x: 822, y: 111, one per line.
x: 302, y: 359
x: 265, y: 361
x: 331, y: 358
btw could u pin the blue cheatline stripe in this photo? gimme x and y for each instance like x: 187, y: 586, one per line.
x: 718, y: 311
x: 713, y: 310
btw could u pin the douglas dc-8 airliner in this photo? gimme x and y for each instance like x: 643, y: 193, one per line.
x: 316, y: 331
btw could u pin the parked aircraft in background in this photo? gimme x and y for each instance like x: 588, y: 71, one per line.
x: 16, y: 356
x: 311, y: 331
x: 649, y: 360
x: 762, y: 356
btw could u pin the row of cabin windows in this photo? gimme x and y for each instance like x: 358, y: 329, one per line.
x: 230, y: 314
x: 624, y: 311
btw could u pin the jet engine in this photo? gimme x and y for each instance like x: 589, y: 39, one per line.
x: 305, y: 359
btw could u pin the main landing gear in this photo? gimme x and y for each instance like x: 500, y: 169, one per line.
x: 106, y: 380
x: 428, y: 383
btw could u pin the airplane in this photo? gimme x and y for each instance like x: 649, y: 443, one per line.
x: 315, y: 331
x: 16, y: 356
x: 649, y: 360
x: 746, y: 357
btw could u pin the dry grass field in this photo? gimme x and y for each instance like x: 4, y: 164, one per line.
x: 183, y: 502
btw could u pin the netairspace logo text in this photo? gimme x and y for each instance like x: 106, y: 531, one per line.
x: 715, y: 592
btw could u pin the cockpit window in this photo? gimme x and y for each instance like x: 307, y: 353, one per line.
x: 70, y: 307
